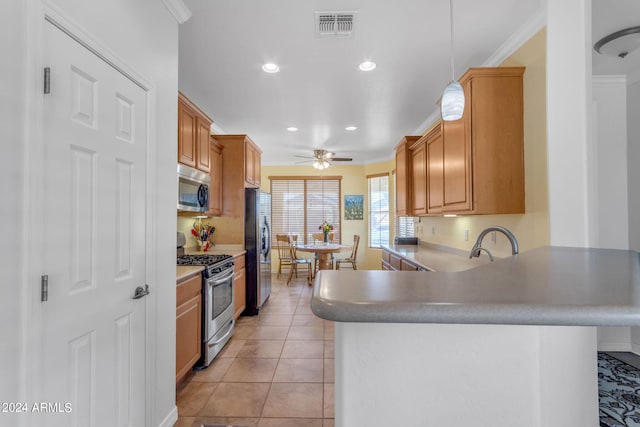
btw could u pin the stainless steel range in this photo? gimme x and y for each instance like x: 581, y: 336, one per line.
x: 217, y: 302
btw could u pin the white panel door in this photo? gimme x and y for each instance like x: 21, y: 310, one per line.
x: 95, y: 146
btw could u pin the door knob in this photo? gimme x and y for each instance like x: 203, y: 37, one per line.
x: 141, y: 292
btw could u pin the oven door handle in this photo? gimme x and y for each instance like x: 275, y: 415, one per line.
x: 218, y: 341
x: 220, y: 281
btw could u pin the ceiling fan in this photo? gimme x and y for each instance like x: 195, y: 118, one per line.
x: 322, y: 159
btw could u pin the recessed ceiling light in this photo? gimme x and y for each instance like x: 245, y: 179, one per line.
x: 292, y: 129
x: 367, y: 66
x: 351, y: 127
x: 270, y: 68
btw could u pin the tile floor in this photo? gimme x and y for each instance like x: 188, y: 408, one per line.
x: 277, y: 370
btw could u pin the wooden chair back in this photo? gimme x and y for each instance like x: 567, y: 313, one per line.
x: 319, y: 237
x: 283, y: 244
x: 356, y: 243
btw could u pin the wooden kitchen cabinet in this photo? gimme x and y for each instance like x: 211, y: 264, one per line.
x: 403, y: 182
x: 386, y: 263
x: 253, y: 158
x: 194, y: 129
x: 239, y: 286
x: 435, y: 161
x: 215, y: 186
x: 483, y: 153
x: 188, y: 324
x: 418, y: 177
x: 241, y: 169
x: 391, y: 261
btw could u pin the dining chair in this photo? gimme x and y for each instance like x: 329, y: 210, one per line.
x: 284, y: 253
x: 319, y: 238
x: 351, y: 259
x: 295, y: 262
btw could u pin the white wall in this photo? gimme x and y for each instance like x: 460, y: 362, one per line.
x: 633, y: 160
x: 568, y: 105
x: 414, y: 375
x: 610, y: 144
x: 12, y: 40
x: 143, y: 35
x: 609, y: 175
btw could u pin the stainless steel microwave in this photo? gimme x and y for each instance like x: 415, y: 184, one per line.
x: 193, y: 189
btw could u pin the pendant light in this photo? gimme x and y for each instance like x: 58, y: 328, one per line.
x: 452, y: 104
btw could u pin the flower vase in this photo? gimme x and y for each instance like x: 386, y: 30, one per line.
x: 325, y: 237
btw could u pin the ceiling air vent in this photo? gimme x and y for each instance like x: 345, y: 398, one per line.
x: 335, y: 24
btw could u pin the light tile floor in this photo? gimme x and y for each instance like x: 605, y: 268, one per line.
x: 277, y: 370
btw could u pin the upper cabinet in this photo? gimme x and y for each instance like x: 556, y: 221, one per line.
x: 215, y: 186
x: 474, y: 165
x: 241, y: 169
x: 483, y: 166
x: 418, y: 177
x: 193, y: 135
x: 252, y: 162
x: 403, y: 191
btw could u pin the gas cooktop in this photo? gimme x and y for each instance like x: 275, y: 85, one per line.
x: 201, y: 259
x: 215, y: 265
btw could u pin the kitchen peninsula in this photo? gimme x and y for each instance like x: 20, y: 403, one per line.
x: 507, y: 343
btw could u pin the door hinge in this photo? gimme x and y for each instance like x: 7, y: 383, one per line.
x: 47, y: 80
x: 44, y: 288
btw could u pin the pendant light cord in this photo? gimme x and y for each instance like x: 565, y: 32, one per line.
x: 453, y: 77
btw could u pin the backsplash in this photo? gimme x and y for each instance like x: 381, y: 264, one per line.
x: 229, y: 230
x: 461, y: 232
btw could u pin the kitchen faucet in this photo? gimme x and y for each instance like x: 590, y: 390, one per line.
x: 477, y: 248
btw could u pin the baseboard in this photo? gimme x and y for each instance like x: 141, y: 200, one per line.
x: 617, y: 346
x: 170, y: 419
x: 635, y: 349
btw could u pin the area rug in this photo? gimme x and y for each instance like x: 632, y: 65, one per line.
x: 619, y: 392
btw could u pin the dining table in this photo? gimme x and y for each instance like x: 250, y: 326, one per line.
x: 323, y: 251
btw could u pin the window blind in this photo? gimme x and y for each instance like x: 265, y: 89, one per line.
x: 404, y: 226
x: 300, y: 205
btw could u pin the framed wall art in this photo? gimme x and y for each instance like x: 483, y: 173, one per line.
x: 354, y: 207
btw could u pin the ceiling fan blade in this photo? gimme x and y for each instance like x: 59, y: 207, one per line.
x: 304, y: 157
x: 341, y: 159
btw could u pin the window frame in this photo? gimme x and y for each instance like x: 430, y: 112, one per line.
x: 304, y: 235
x: 371, y: 214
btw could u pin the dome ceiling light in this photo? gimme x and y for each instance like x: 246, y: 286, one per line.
x: 620, y: 44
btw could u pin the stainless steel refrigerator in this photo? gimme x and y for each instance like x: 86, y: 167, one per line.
x: 257, y: 243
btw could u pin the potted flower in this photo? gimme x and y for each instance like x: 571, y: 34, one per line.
x: 326, y: 227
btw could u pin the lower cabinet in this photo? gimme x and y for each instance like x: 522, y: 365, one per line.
x: 391, y: 261
x: 239, y: 286
x: 188, y: 324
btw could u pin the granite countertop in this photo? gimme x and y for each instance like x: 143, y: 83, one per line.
x: 437, y: 258
x: 184, y: 271
x: 544, y: 286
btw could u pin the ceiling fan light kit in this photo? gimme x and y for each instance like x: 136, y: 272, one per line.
x: 322, y: 159
x: 452, y: 104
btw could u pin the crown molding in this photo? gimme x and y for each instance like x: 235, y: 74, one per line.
x: 513, y: 43
x: 517, y: 39
x: 609, y: 79
x: 178, y: 9
x: 216, y: 130
x: 424, y: 126
x: 633, y: 78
